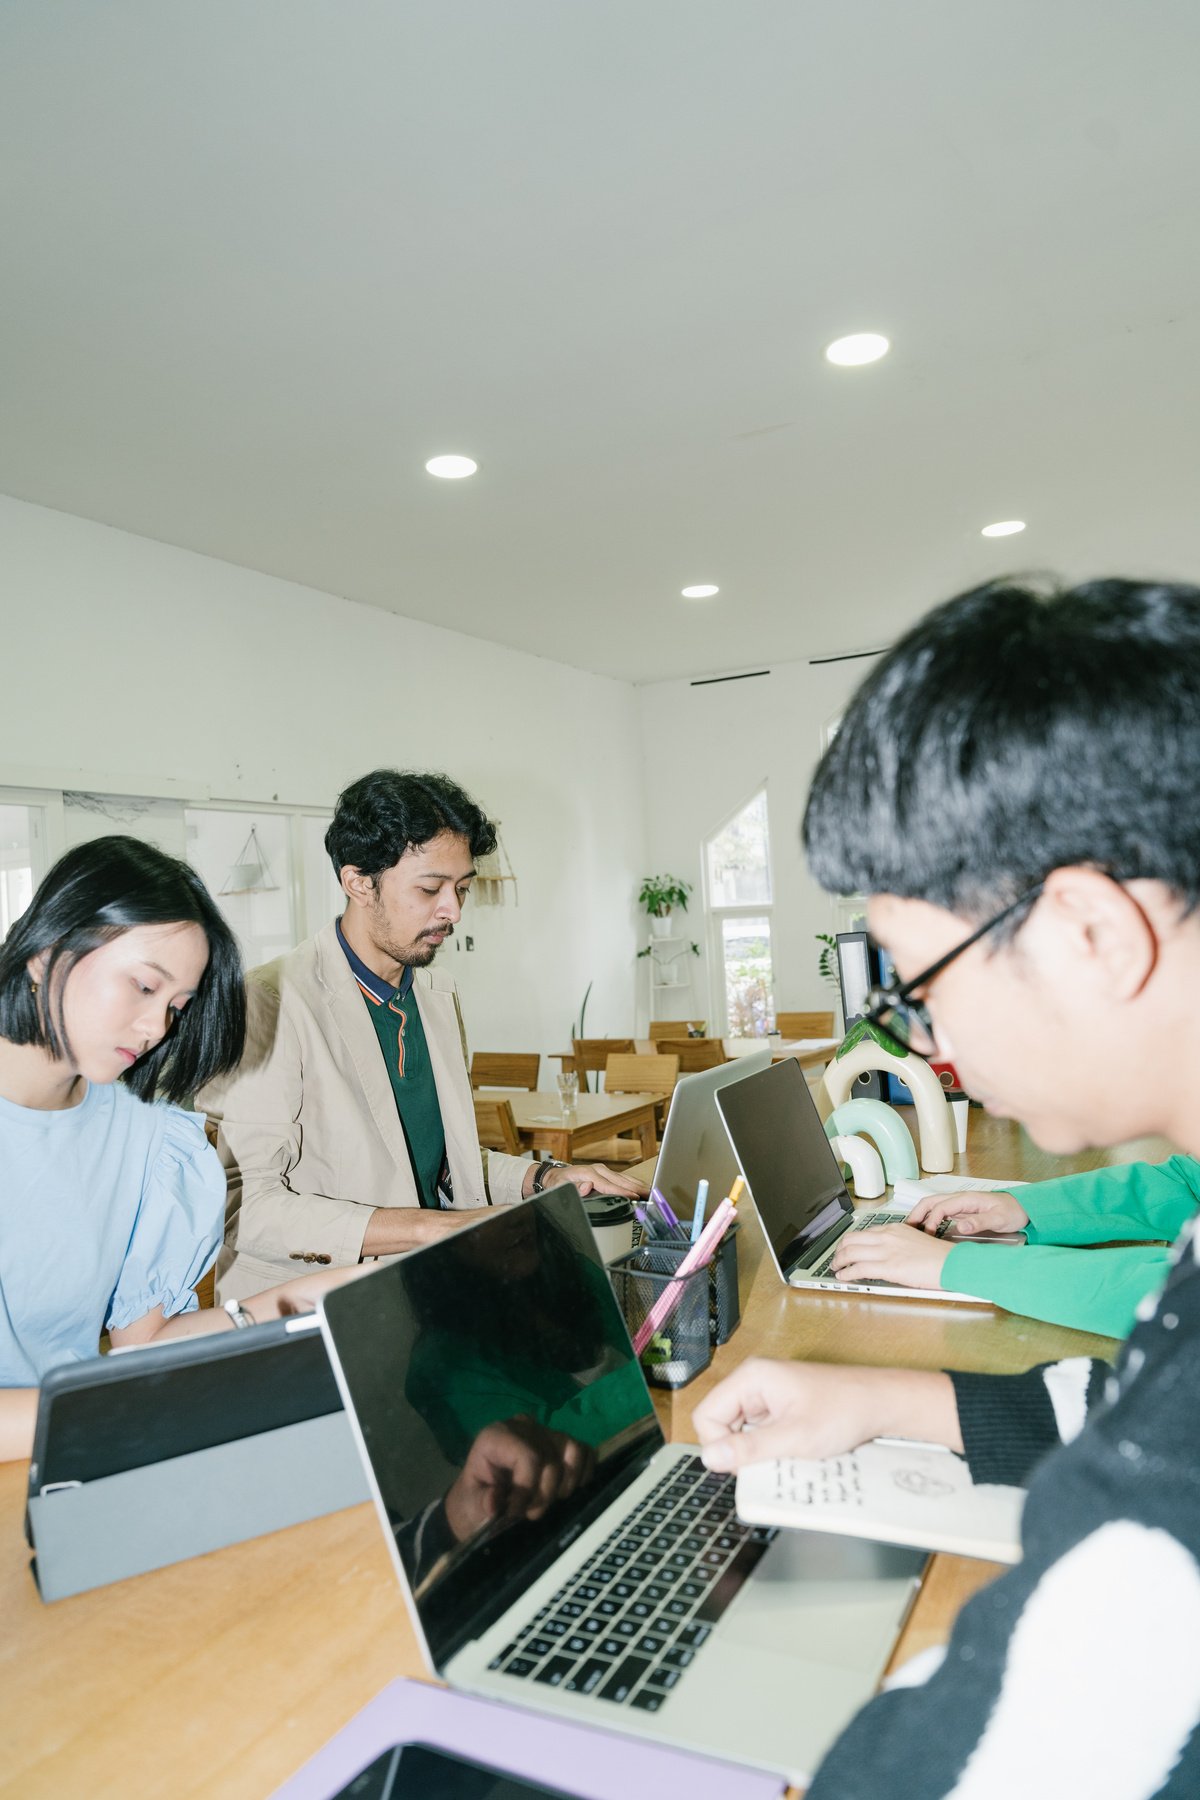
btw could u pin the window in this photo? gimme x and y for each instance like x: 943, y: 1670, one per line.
x: 244, y: 860
x: 265, y: 866
x: 17, y: 851
x: 31, y: 837
x: 267, y: 870
x: 737, y: 868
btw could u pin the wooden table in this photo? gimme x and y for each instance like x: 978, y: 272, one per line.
x: 542, y: 1125
x: 216, y: 1679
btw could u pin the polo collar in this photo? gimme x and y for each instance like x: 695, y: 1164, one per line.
x: 374, y: 987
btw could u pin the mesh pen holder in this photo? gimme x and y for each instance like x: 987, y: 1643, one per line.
x: 681, y: 1348
x: 724, y: 1307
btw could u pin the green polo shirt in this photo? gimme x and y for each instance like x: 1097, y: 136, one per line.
x: 397, y: 1021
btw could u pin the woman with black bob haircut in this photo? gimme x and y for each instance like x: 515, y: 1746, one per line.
x: 92, y: 896
x: 122, y: 982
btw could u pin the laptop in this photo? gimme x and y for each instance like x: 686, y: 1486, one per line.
x: 639, y: 1601
x: 695, y: 1145
x: 796, y: 1183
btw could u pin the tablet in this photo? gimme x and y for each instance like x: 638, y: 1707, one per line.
x: 144, y: 1405
x: 148, y: 1456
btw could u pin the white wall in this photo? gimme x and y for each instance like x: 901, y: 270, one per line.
x: 135, y: 667
x: 713, y: 747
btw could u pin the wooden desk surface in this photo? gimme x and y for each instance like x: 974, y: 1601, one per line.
x: 542, y: 1124
x: 220, y: 1676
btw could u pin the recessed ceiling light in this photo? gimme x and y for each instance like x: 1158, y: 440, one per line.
x: 451, y: 468
x: 861, y: 347
x: 1005, y: 528
x: 703, y: 592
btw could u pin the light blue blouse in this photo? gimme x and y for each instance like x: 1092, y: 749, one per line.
x: 107, y: 1210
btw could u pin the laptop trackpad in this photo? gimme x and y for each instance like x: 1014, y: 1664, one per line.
x: 838, y: 1600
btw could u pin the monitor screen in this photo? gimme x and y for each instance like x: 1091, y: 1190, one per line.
x: 794, y: 1178
x: 499, y: 1400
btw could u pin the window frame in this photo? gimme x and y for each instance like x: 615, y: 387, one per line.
x: 715, y: 915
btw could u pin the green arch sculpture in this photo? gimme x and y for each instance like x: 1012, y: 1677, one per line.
x: 871, y: 1118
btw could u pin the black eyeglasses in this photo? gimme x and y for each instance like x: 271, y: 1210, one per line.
x: 908, y: 1020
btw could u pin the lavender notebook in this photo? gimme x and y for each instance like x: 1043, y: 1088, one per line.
x: 595, y: 1765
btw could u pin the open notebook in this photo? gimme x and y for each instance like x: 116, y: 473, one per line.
x: 896, y: 1493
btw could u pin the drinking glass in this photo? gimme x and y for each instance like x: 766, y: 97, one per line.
x: 568, y: 1091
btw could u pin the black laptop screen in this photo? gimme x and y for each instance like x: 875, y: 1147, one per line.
x: 499, y: 1400
x: 791, y: 1171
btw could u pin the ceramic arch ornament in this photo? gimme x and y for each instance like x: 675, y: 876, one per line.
x: 865, y: 1165
x: 856, y: 1118
x: 867, y: 1048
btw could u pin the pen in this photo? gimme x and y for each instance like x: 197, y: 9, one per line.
x: 672, y: 1223
x: 698, y: 1210
x: 648, y: 1218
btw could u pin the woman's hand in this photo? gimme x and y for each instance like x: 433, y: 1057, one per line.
x: 767, y: 1409
x: 300, y: 1295
x: 970, y: 1212
x: 891, y: 1253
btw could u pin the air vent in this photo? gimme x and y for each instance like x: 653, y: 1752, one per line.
x: 847, y: 656
x: 711, y: 680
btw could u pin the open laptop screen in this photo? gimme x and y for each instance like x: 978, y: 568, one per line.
x: 793, y: 1175
x: 695, y: 1144
x: 485, y: 1372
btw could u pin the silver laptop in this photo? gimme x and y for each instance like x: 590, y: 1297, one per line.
x: 695, y: 1144
x: 797, y: 1186
x: 639, y: 1601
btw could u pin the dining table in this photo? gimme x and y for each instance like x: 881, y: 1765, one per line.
x: 567, y: 1133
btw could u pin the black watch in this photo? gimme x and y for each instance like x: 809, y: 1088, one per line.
x: 543, y: 1169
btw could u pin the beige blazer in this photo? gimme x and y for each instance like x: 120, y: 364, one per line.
x: 307, y: 1126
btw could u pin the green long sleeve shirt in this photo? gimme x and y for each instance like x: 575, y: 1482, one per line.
x: 1050, y: 1277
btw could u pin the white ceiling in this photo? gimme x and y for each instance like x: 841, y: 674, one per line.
x: 261, y: 258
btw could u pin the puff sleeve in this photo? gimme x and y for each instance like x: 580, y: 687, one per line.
x: 178, y: 1224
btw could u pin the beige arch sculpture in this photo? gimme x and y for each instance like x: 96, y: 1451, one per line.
x: 867, y: 1048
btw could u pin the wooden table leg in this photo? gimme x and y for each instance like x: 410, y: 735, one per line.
x: 646, y: 1135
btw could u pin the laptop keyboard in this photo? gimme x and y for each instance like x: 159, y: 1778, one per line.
x: 632, y: 1620
x: 866, y: 1223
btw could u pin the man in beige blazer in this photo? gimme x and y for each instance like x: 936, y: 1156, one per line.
x: 348, y: 1130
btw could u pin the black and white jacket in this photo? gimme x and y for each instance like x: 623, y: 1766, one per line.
x: 1077, y: 1675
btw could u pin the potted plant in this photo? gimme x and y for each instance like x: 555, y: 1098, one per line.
x: 659, y: 893
x: 827, y: 969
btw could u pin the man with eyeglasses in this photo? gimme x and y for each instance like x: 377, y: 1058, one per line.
x: 1015, y: 788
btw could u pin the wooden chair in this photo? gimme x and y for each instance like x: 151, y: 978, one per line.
x: 631, y: 1074
x: 698, y: 1053
x: 494, y: 1068
x: 496, y: 1126
x: 625, y: 1074
x: 804, y: 1024
x: 590, y: 1055
x: 661, y: 1029
x: 643, y: 1075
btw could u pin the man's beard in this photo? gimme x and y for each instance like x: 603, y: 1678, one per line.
x: 417, y: 955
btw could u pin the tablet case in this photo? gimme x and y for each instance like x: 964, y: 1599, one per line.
x: 595, y: 1764
x: 150, y: 1456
